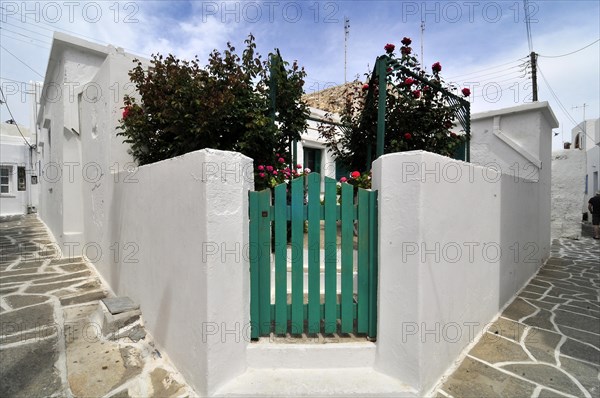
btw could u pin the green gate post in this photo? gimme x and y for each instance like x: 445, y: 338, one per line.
x: 254, y: 255
x: 381, y: 106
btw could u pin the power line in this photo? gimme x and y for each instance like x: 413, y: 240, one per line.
x: 13, y: 118
x: 572, y: 52
x: 575, y: 124
x: 24, y: 35
x: 2, y: 33
x: 488, y: 69
x: 54, y: 29
x: 18, y: 59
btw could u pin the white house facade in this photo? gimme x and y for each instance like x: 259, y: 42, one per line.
x: 18, y: 177
x: 586, y: 137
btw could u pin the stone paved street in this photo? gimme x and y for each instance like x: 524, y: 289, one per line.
x: 50, y: 342
x: 546, y: 343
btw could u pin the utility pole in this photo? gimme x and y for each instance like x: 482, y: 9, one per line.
x: 533, y: 60
x: 346, y: 35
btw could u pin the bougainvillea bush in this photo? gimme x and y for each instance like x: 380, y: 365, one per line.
x: 181, y: 107
x: 418, y: 115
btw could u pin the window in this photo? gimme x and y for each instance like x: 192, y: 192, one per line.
x: 5, y: 179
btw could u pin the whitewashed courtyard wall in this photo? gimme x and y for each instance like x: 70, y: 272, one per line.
x: 456, y: 242
x: 176, y: 243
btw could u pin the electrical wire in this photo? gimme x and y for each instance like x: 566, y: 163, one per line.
x: 18, y: 59
x: 572, y: 52
x: 488, y: 69
x: 3, y: 34
x: 13, y: 119
x: 575, y: 124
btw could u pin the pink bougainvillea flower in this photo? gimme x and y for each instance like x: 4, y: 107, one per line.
x: 466, y: 91
x: 436, y: 68
x: 426, y: 88
x: 276, y: 155
x: 343, y: 179
x: 407, y: 136
x: 406, y: 41
x: 355, y: 174
x: 409, y: 81
x: 261, y: 175
x: 269, y: 168
x: 281, y: 160
x: 274, y: 172
x: 453, y: 135
x: 126, y: 111
x: 389, y: 48
x: 417, y: 93
x: 261, y: 168
x: 306, y: 170
x: 298, y: 166
x: 365, y: 87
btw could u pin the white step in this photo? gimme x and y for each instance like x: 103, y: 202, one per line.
x: 289, y: 354
x: 353, y: 382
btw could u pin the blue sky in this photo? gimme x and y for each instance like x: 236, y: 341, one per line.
x: 480, y: 44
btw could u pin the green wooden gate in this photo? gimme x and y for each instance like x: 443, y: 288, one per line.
x: 322, y: 306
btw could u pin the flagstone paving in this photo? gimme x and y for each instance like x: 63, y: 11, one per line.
x: 49, y: 346
x: 546, y: 343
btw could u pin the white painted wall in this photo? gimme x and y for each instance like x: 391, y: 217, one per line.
x: 14, y: 152
x: 310, y: 139
x: 77, y: 144
x: 517, y: 141
x: 179, y: 229
x: 457, y: 241
x: 589, y: 137
x: 568, y: 177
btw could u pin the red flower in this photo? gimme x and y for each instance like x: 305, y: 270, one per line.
x: 389, y: 48
x: 417, y: 93
x: 126, y: 111
x: 409, y: 81
x: 447, y: 124
x: 453, y: 135
x: 281, y: 160
x: 389, y: 70
x: 466, y: 92
x: 269, y: 168
x: 261, y: 175
x: 343, y: 179
x: 274, y: 172
x: 407, y: 136
x: 406, y: 50
x: 365, y: 87
x: 436, y: 68
x: 261, y: 168
x: 355, y: 174
x: 426, y: 88
x: 406, y: 41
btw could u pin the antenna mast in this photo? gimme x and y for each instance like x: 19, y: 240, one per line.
x: 346, y: 35
x: 422, y: 35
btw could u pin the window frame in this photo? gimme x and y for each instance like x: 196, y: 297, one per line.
x: 9, y: 183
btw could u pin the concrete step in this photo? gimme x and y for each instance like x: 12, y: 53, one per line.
x: 344, y: 382
x: 292, y: 354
